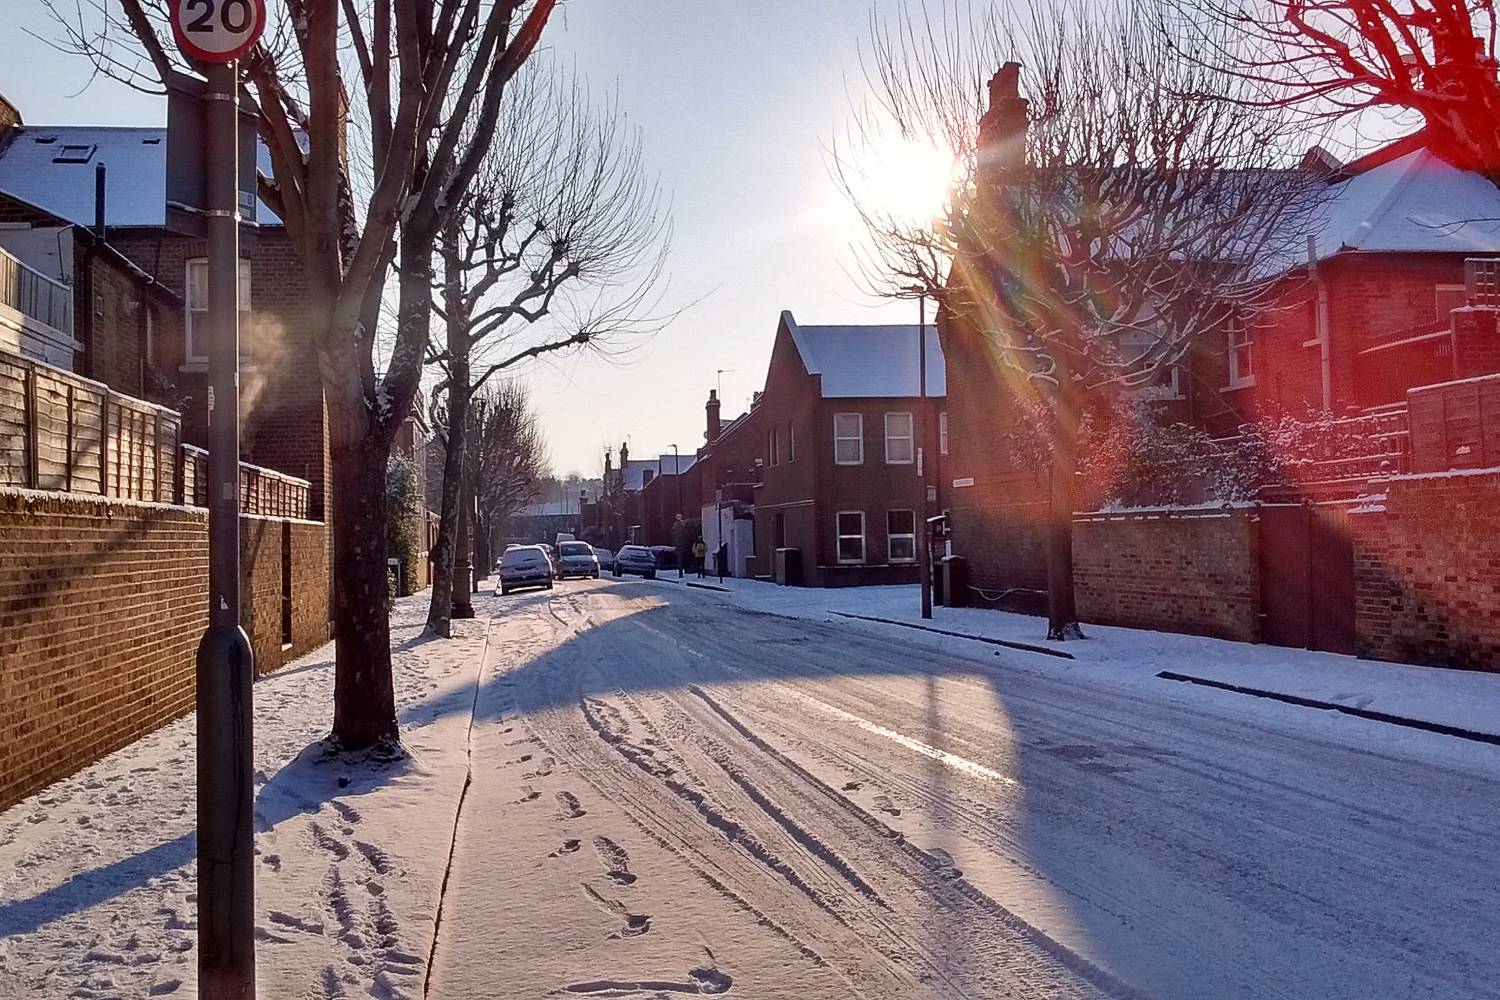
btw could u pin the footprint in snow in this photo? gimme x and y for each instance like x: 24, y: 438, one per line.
x: 615, y: 861
x: 883, y: 803
x: 568, y: 847
x: 528, y: 794
x: 567, y: 806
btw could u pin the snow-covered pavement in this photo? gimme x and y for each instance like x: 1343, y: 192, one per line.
x: 679, y: 792
x: 97, y: 871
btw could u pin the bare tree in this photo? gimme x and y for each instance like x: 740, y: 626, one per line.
x: 510, y: 459
x: 1332, y: 59
x: 430, y: 76
x: 1131, y: 209
x: 558, y: 246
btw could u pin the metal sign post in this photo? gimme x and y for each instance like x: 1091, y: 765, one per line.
x: 216, y: 33
x: 924, y: 556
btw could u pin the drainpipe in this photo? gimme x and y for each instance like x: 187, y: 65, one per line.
x: 99, y: 231
x: 1320, y: 322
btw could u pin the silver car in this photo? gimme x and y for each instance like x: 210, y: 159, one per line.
x: 525, y: 566
x: 576, y: 559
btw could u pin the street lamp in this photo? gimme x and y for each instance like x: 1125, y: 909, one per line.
x: 924, y: 558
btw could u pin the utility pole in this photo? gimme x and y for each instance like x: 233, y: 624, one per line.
x: 924, y: 558
x: 214, y: 34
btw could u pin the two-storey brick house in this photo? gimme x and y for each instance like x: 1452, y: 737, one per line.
x: 845, y: 443
x: 50, y: 196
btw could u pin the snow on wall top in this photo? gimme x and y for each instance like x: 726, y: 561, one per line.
x: 1414, y: 204
x: 52, y: 167
x: 876, y: 361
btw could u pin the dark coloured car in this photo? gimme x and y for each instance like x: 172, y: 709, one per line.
x: 636, y: 560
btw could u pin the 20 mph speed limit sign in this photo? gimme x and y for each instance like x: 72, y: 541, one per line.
x: 217, y: 31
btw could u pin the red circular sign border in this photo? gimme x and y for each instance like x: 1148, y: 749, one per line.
x: 203, y: 55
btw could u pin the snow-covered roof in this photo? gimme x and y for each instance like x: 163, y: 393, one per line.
x: 875, y: 361
x: 52, y: 167
x: 633, y: 472
x: 1415, y: 203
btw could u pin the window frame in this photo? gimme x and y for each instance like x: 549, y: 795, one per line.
x: 858, y: 438
x: 191, y: 360
x: 791, y: 442
x: 839, y: 535
x: 942, y: 432
x: 891, y: 536
x: 910, y: 437
x: 1239, y: 337
x: 773, y: 446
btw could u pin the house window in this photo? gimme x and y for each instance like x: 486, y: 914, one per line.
x: 900, y: 442
x: 943, y: 433
x: 791, y: 442
x: 1241, y: 358
x: 197, y: 309
x: 773, y: 456
x: 901, y: 535
x: 851, y: 532
x: 848, y: 438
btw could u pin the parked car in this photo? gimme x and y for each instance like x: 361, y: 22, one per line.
x: 576, y: 559
x: 636, y: 560
x: 606, y: 558
x: 665, y: 556
x: 525, y: 566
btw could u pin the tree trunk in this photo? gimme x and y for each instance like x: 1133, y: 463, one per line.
x: 364, y: 701
x: 463, y: 562
x: 1062, y: 608
x: 440, y: 610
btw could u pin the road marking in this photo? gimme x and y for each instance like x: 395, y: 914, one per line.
x: 953, y: 760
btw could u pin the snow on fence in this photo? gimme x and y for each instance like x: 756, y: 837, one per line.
x: 60, y: 431
x: 263, y: 491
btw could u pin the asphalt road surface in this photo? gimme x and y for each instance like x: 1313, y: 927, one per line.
x: 673, y: 796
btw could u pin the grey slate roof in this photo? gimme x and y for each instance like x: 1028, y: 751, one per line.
x: 868, y: 361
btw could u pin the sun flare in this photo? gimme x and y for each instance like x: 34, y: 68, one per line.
x: 908, y: 181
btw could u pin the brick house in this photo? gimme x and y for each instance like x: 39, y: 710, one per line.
x: 730, y: 464
x: 838, y: 427
x: 144, y: 287
x: 1370, y: 314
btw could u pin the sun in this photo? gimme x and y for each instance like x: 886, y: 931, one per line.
x: 906, y: 180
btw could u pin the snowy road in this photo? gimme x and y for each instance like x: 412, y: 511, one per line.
x: 673, y: 795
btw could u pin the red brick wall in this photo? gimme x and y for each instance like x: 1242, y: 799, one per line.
x: 284, y: 420
x: 1181, y: 572
x: 998, y: 518
x: 1370, y: 297
x: 1427, y: 572
x: 102, y: 604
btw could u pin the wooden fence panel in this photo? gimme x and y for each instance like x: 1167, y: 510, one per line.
x: 13, y: 451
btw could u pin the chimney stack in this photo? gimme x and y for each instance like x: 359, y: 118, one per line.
x: 99, y: 230
x: 1002, y: 129
x: 712, y: 408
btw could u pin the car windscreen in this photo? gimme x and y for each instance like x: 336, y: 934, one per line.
x: 635, y: 550
x: 576, y: 549
x: 521, y: 557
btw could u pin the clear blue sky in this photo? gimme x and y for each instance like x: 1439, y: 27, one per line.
x: 737, y: 102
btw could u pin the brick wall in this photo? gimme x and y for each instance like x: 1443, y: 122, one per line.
x: 102, y: 604
x: 1427, y: 572
x: 1181, y: 572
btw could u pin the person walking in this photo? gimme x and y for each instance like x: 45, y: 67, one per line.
x: 723, y: 559
x: 700, y: 555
